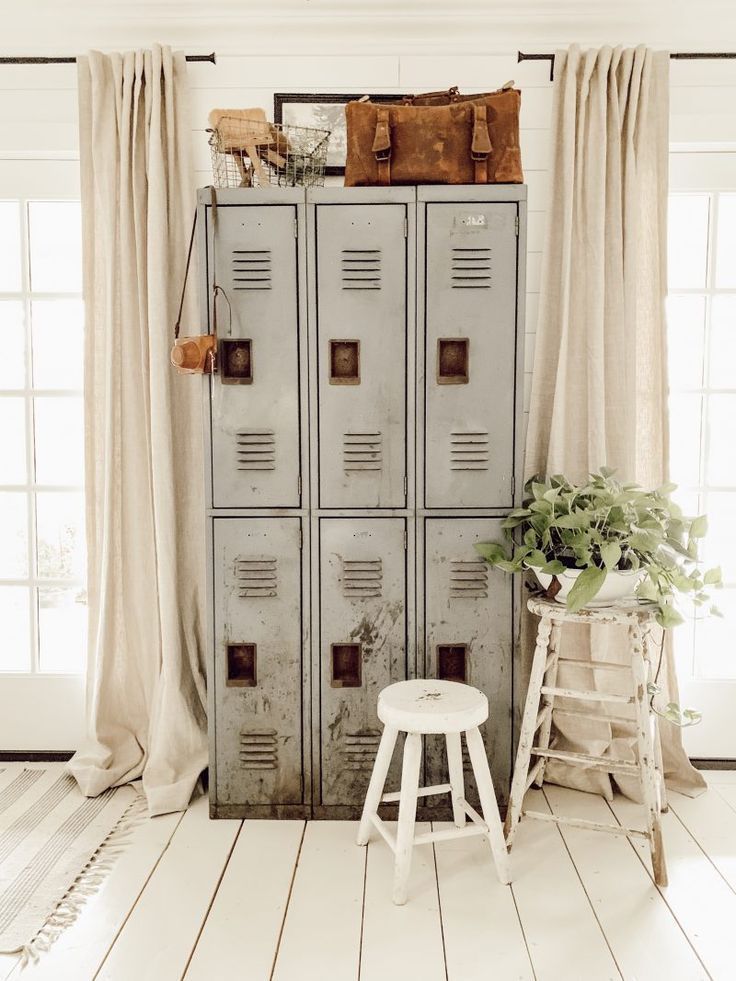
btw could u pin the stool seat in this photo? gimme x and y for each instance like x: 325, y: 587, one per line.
x: 429, y: 706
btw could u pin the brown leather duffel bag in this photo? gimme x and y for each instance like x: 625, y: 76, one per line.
x: 472, y: 140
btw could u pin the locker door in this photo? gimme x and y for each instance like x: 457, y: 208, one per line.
x: 255, y: 394
x: 361, y: 316
x: 258, y: 660
x: 470, y: 303
x: 469, y: 635
x: 363, y: 645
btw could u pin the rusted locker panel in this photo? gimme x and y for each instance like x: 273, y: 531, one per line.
x: 258, y: 660
x: 361, y: 255
x: 469, y: 632
x: 363, y: 627
x: 255, y: 393
x: 470, y: 276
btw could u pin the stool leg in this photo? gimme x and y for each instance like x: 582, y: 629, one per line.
x: 482, y: 773
x: 549, y: 678
x: 457, y: 781
x: 658, y: 761
x: 377, y: 781
x: 646, y: 754
x: 407, y: 815
x: 526, y: 737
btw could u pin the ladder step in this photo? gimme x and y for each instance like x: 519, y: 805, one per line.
x: 543, y: 715
x: 472, y: 814
x: 597, y: 665
x: 590, y: 696
x: 449, y: 833
x: 593, y: 717
x: 588, y: 762
x: 440, y: 788
x: 384, y: 832
x: 611, y: 829
x: 533, y: 773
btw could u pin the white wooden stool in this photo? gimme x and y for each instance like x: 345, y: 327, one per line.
x: 534, y: 739
x: 418, y: 708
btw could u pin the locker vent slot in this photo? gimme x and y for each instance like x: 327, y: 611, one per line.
x: 255, y: 449
x: 469, y: 451
x: 251, y: 269
x: 241, y: 666
x: 471, y: 269
x: 468, y: 579
x: 361, y: 451
x: 453, y: 360
x: 347, y: 662
x: 235, y: 361
x: 452, y: 662
x: 259, y: 750
x: 362, y: 578
x: 360, y: 748
x: 256, y: 577
x: 344, y: 362
x: 361, y: 269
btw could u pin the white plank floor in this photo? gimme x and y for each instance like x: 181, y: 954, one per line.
x: 288, y: 901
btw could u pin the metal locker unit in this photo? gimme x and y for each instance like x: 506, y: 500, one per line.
x: 253, y: 256
x: 362, y: 647
x: 469, y: 288
x: 468, y: 628
x: 359, y: 313
x: 258, y: 665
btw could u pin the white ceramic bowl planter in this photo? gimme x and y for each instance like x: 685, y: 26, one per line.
x: 617, y: 586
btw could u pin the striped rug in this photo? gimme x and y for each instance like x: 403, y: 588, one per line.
x: 50, y: 849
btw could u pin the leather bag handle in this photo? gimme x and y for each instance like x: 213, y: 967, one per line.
x: 213, y: 199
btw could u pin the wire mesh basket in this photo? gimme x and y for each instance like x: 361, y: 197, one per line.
x: 252, y: 152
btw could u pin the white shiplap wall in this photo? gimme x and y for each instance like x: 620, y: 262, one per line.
x: 38, y: 114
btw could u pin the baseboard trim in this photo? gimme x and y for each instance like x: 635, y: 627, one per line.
x: 36, y: 756
x: 713, y: 764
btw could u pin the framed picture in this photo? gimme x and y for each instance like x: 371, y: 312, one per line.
x: 322, y: 111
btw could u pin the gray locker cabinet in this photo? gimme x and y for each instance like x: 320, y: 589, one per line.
x: 468, y: 633
x: 361, y: 309
x: 255, y: 396
x: 258, y: 660
x: 363, y: 645
x: 470, y: 301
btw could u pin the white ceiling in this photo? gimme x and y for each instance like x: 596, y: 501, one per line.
x: 316, y: 26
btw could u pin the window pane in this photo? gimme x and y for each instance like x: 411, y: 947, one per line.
x: 714, y: 638
x: 60, y: 535
x: 12, y: 338
x: 58, y: 328
x: 10, y: 274
x: 726, y: 244
x: 721, y: 463
x: 55, y: 233
x: 723, y: 342
x: 685, y: 439
x: 13, y: 429
x: 685, y: 339
x: 719, y: 545
x: 14, y: 548
x: 15, y: 617
x: 62, y: 629
x: 688, y: 240
x: 59, y: 441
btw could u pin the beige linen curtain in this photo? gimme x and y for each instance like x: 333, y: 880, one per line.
x: 146, y: 687
x: 599, y: 388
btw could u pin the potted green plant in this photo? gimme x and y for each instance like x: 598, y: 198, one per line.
x: 603, y: 541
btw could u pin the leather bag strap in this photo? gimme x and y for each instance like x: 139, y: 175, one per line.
x: 213, y: 197
x: 382, y: 146
x: 481, y: 146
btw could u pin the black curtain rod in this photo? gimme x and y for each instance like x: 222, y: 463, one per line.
x: 679, y: 55
x: 25, y: 60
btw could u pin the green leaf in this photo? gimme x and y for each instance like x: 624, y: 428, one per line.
x: 553, y: 568
x: 667, y: 616
x: 611, y: 553
x: 536, y: 559
x: 530, y: 537
x: 491, y: 551
x: 699, y: 527
x: 713, y: 576
x: 585, y: 588
x: 608, y: 472
x: 666, y: 489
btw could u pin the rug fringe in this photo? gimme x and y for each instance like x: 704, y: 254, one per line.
x: 87, y: 883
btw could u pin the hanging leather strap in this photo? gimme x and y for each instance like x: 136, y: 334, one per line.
x: 382, y: 146
x: 213, y: 202
x: 481, y: 146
